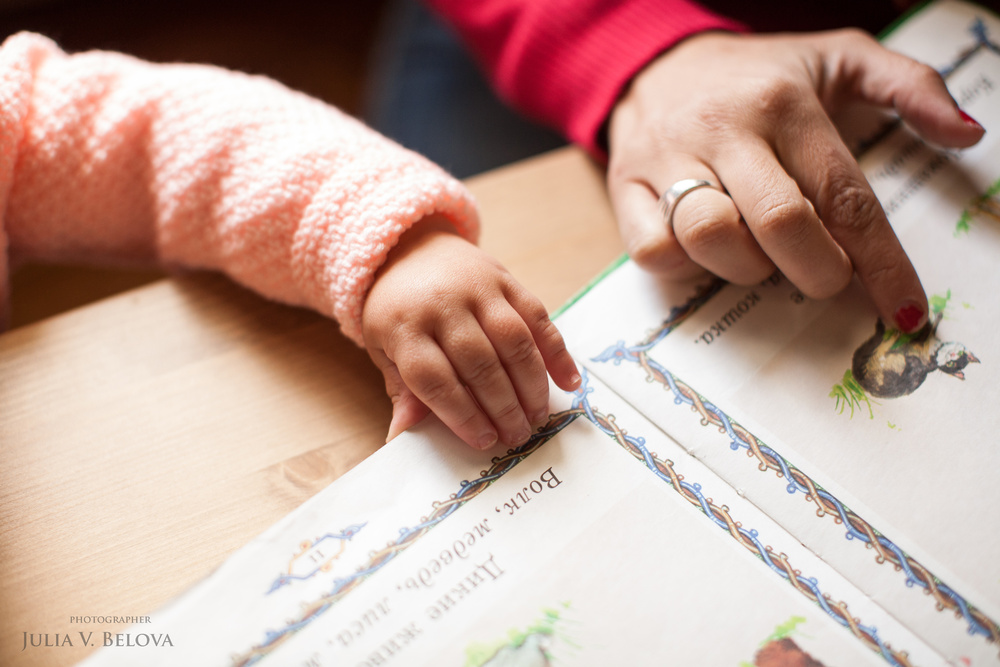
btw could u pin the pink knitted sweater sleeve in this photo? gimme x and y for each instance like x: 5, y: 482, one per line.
x: 107, y: 158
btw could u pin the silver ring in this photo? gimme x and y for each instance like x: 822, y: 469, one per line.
x: 676, y: 192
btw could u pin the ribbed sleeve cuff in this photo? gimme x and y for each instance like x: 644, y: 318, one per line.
x: 566, y: 62
x: 582, y: 68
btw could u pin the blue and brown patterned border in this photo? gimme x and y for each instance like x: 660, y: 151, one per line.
x: 827, y: 505
x: 692, y: 492
x: 441, y: 510
x: 749, y: 538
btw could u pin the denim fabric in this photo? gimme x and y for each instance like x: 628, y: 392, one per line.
x: 427, y: 93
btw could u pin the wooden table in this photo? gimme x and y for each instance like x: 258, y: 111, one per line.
x: 148, y: 436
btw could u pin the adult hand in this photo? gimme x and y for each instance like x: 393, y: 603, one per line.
x: 453, y: 332
x: 752, y: 114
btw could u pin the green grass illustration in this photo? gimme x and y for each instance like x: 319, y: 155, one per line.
x: 986, y: 204
x: 849, y: 394
x: 479, y: 653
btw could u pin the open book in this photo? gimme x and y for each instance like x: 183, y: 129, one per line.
x: 747, y: 477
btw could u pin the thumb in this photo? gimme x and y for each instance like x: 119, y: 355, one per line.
x: 916, y: 91
x: 407, y: 409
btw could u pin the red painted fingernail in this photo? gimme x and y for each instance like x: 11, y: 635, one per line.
x: 969, y: 120
x: 909, y: 317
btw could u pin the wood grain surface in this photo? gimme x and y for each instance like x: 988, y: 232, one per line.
x: 146, y: 437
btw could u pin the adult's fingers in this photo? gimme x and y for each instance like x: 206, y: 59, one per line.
x: 782, y: 219
x: 647, y: 240
x: 829, y: 176
x: 707, y: 223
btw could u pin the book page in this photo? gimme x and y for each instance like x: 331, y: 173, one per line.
x: 878, y: 452
x: 599, y: 542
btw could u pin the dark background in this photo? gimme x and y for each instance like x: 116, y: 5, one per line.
x: 319, y: 47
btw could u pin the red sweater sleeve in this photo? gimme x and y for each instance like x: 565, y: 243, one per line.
x: 565, y: 62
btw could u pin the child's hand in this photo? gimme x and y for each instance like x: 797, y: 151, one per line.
x: 453, y: 332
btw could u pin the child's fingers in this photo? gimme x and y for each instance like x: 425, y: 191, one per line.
x: 428, y: 372
x: 483, y: 367
x: 407, y: 409
x: 522, y: 360
x: 406, y: 412
x: 548, y: 340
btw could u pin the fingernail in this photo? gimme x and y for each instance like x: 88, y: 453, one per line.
x: 575, y: 380
x: 970, y: 121
x: 394, y: 429
x: 909, y: 317
x: 521, y: 436
x: 486, y: 440
x: 540, y: 417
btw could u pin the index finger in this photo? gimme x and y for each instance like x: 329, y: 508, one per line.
x: 814, y: 154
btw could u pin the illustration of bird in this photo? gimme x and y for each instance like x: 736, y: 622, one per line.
x: 784, y: 653
x: 890, y: 365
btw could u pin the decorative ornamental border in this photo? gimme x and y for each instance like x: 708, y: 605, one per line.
x: 407, y: 537
x: 747, y: 537
x: 886, y: 551
x: 289, y: 577
x: 664, y: 469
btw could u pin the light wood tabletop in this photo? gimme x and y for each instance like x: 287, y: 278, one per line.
x: 146, y: 437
